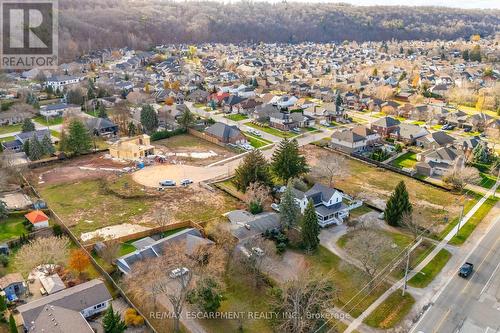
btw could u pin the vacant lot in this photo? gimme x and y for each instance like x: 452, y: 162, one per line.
x: 432, y: 206
x: 192, y: 150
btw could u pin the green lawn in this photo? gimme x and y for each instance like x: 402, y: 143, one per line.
x: 429, y: 272
x: 487, y: 180
x: 272, y: 131
x: 471, y: 200
x: 236, y: 117
x: 51, y: 121
x: 55, y: 134
x: 418, y: 122
x: 12, y: 227
x: 357, y: 212
x: 256, y: 142
x: 7, y: 138
x: 10, y: 128
x: 391, y: 311
x: 407, y: 160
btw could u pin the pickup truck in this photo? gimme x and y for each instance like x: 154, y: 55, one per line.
x: 466, y: 270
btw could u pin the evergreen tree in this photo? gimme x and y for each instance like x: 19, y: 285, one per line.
x: 35, y: 149
x: 112, y: 322
x: 48, y: 147
x: 254, y: 168
x: 132, y: 130
x: 78, y: 140
x: 26, y: 147
x: 186, y: 119
x: 338, y: 100
x: 289, y: 210
x: 475, y: 53
x: 63, y: 141
x: 310, y: 228
x: 101, y: 112
x: 397, y: 205
x: 28, y: 126
x: 4, y: 212
x: 287, y: 162
x: 3, y: 305
x: 149, y: 119
x: 12, y: 324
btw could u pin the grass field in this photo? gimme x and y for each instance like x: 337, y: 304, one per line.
x: 12, y: 227
x: 429, y: 272
x: 391, y: 311
x: 272, y: 131
x: 407, y: 160
x: 10, y: 128
x: 7, y: 138
x: 255, y: 141
x: 236, y: 117
x: 51, y: 121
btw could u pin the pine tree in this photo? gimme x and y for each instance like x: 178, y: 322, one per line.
x: 102, y: 112
x: 48, y: 147
x: 132, y: 130
x: 3, y: 305
x: 28, y: 126
x: 78, y: 140
x: 287, y: 162
x: 310, y: 228
x: 26, y: 147
x: 149, y: 119
x: 12, y: 324
x: 63, y: 141
x: 36, y: 151
x: 397, y: 205
x: 4, y: 212
x: 289, y: 210
x: 338, y: 100
x: 254, y: 168
x: 186, y: 119
x: 112, y: 322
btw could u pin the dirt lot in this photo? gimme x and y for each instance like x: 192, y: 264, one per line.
x: 189, y: 149
x: 375, y: 185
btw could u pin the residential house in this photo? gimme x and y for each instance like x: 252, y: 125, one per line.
x: 52, y: 283
x: 198, y: 96
x: 11, y: 117
x: 438, y: 161
x: 229, y: 103
x: 13, y: 286
x: 67, y: 310
x: 408, y: 133
x: 245, y: 225
x: 479, y: 121
x: 38, y: 219
x: 328, y: 203
x: 225, y: 134
x: 101, y: 126
x: 60, y: 81
x: 16, y: 145
x: 190, y: 238
x: 134, y: 148
x: 435, y: 140
x: 355, y: 140
x: 59, y: 109
x: 385, y: 126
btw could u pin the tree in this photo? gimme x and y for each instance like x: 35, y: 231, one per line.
x: 28, y: 126
x: 255, y: 196
x: 149, y: 119
x: 3, y: 307
x: 207, y: 295
x: 4, y: 212
x: 110, y: 251
x: 79, y: 261
x: 409, y: 223
x: 79, y: 140
x: 307, y: 298
x: 48, y: 147
x: 132, y: 130
x: 36, y: 150
x: 459, y: 177
x: 370, y: 248
x: 465, y: 55
x: 112, y: 322
x: 332, y: 166
x: 186, y: 119
x: 102, y: 111
x: 42, y: 253
x: 253, y: 168
x: 481, y: 154
x: 397, y: 205
x: 287, y: 162
x: 12, y: 324
x: 75, y: 96
x: 289, y: 210
x: 338, y: 100
x: 475, y: 53
x: 310, y: 227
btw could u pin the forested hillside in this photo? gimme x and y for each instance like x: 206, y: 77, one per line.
x: 93, y: 24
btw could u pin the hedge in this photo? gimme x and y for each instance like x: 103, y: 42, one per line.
x: 160, y: 135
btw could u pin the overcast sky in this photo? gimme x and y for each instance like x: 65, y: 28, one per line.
x: 447, y: 3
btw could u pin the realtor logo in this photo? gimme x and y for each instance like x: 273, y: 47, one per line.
x: 29, y: 34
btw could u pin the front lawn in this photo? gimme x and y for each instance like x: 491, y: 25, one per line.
x: 391, y: 311
x: 429, y: 272
x: 236, y: 117
x: 487, y: 180
x: 10, y: 128
x: 407, y: 160
x: 12, y: 227
x: 272, y: 131
x: 51, y: 121
x: 256, y: 142
x: 7, y: 138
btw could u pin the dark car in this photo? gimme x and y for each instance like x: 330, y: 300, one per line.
x: 466, y: 270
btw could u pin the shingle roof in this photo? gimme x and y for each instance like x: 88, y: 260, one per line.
x: 223, y: 131
x: 386, y: 122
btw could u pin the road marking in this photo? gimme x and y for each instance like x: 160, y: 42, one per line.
x: 441, y: 321
x: 489, y: 280
x: 480, y: 264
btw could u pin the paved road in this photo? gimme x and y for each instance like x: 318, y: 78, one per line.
x: 470, y: 305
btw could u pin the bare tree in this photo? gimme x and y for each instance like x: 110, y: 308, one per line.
x: 409, y: 223
x: 45, y: 254
x: 257, y: 193
x: 302, y: 301
x: 333, y: 165
x: 255, y: 262
x: 459, y: 177
x: 162, y: 216
x: 370, y: 248
x: 110, y: 251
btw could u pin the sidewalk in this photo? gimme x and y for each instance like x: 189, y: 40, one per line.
x: 355, y: 324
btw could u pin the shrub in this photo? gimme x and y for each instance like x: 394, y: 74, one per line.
x: 255, y: 207
x: 160, y: 135
x: 280, y: 248
x: 4, y: 260
x: 57, y: 230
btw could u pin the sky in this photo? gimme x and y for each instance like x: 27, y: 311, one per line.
x: 483, y: 4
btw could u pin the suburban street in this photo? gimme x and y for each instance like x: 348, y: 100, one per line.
x: 470, y: 305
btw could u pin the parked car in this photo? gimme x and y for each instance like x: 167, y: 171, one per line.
x: 258, y: 251
x: 296, y: 130
x: 275, y: 207
x: 186, y: 182
x: 167, y: 182
x: 466, y: 270
x: 175, y: 273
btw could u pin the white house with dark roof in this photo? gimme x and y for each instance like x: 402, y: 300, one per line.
x: 59, y: 81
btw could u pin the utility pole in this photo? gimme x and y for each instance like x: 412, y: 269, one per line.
x: 460, y: 219
x: 408, y: 263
